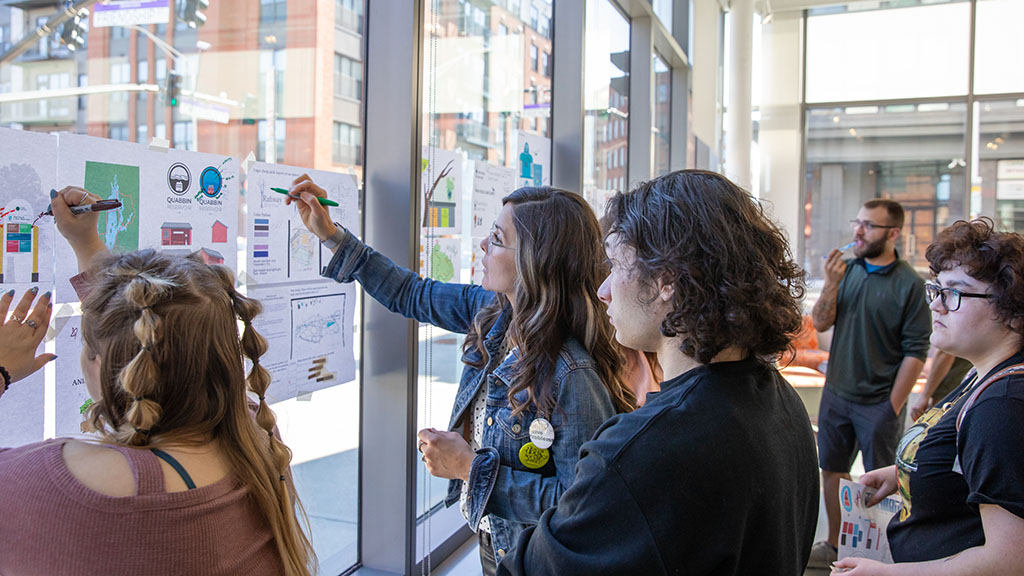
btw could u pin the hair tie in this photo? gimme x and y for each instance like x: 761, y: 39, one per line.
x: 145, y: 347
x: 146, y: 307
x: 138, y: 398
x: 270, y: 433
x: 282, y: 477
x: 262, y: 398
x: 143, y: 431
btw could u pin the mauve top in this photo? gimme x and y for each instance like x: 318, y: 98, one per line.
x: 51, y: 524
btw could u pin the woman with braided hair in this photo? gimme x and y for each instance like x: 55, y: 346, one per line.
x: 188, y: 477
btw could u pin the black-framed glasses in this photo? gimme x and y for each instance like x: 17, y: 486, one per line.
x: 950, y: 297
x: 868, y: 225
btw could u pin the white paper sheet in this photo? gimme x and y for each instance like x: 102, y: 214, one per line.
x: 280, y: 248
x: 28, y: 171
x: 862, y: 529
x: 310, y: 336
x: 174, y: 201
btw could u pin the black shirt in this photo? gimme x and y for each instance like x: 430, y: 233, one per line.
x: 882, y: 317
x: 940, y: 515
x: 714, y: 475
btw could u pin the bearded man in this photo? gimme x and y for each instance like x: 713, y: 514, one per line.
x: 877, y: 304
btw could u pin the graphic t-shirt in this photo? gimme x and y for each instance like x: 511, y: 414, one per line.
x: 940, y: 515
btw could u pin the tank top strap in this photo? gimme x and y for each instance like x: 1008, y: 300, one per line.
x: 149, y: 476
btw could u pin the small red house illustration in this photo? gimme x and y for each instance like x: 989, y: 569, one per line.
x: 211, y: 256
x: 175, y: 234
x: 220, y: 233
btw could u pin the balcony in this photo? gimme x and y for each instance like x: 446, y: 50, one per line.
x: 475, y: 133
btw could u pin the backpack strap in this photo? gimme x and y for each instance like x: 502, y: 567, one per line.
x: 978, y: 389
x: 981, y: 387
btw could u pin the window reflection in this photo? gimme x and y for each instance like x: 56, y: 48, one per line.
x: 606, y: 103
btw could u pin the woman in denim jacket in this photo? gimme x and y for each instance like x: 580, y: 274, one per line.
x: 538, y: 345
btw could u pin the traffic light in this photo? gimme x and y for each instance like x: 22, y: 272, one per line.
x: 172, y: 88
x: 193, y: 14
x: 73, y: 33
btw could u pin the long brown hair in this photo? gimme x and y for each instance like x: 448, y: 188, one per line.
x: 166, y: 330
x: 560, y: 265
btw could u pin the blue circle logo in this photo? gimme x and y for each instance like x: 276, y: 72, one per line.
x: 210, y: 182
x: 847, y: 499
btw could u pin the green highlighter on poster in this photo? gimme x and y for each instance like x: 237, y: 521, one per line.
x: 322, y: 201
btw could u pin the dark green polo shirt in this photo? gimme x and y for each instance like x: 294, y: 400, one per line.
x: 881, y: 317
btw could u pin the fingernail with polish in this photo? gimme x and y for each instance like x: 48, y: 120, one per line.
x: 53, y: 193
x: 10, y: 293
x: 34, y: 290
x: 47, y: 295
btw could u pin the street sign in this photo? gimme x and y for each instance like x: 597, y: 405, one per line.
x: 129, y: 12
x: 203, y: 110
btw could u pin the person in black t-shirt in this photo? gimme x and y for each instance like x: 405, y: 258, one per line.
x: 960, y: 467
x: 715, y: 474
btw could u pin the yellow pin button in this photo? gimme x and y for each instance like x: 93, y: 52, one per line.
x: 533, y: 457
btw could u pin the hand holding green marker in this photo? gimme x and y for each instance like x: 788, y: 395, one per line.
x: 322, y: 201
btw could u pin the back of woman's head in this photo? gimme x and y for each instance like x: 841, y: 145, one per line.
x: 559, y: 264
x: 734, y: 278
x: 171, y: 370
x: 989, y: 256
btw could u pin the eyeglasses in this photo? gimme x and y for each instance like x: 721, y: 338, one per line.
x: 493, y: 240
x: 868, y: 225
x: 950, y: 297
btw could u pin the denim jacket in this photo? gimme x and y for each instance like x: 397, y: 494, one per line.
x: 500, y: 485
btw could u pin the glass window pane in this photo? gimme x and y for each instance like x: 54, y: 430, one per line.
x: 662, y: 115
x: 998, y: 46
x: 247, y: 83
x: 999, y: 194
x: 605, y: 102
x: 913, y: 154
x: 920, y: 51
x: 486, y: 103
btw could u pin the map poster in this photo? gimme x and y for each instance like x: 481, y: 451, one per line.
x: 862, y: 529
x: 28, y: 171
x: 280, y: 248
x: 175, y: 201
x: 439, y: 258
x: 310, y: 334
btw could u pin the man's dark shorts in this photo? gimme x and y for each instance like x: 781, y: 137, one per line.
x: 844, y: 427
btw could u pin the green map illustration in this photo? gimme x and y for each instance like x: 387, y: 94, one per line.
x: 118, y: 228
x: 441, y: 267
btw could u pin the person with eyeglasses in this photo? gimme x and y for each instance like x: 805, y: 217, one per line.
x: 542, y: 370
x: 876, y: 304
x: 960, y: 468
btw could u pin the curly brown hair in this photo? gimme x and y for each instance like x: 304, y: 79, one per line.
x: 989, y: 256
x: 731, y: 267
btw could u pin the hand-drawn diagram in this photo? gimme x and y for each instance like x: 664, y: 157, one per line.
x: 118, y: 228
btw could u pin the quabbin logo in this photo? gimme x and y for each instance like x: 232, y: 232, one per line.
x: 210, y: 184
x: 847, y: 499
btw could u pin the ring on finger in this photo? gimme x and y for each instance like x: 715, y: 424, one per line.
x: 85, y: 194
x: 31, y: 323
x: 17, y: 318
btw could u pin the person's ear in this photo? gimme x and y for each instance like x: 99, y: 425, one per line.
x: 666, y: 291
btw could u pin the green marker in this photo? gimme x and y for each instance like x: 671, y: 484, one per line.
x: 322, y: 201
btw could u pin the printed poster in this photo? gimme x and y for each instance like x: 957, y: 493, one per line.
x: 439, y: 258
x: 280, y: 248
x: 441, y: 190
x: 490, y: 185
x: 28, y: 171
x: 175, y: 201
x: 71, y: 395
x: 310, y: 335
x: 534, y: 160
x: 862, y: 529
